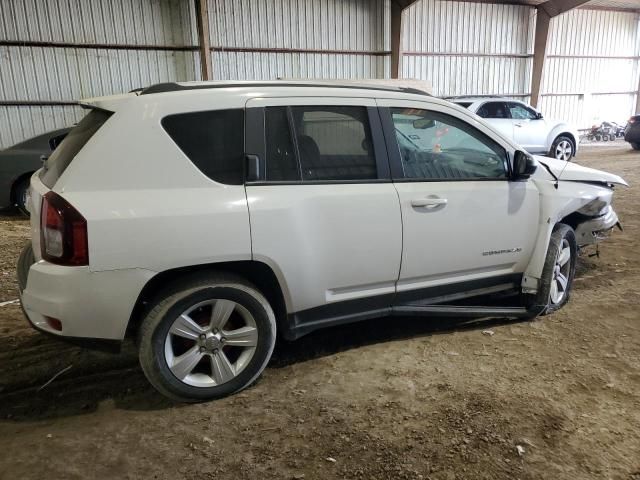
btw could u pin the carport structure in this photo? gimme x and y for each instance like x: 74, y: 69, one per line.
x: 545, y: 11
x: 574, y: 59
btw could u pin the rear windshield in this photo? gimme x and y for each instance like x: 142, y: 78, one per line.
x: 464, y: 104
x: 71, y: 145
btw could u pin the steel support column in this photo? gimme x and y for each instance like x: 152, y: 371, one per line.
x: 545, y: 12
x: 397, y: 7
x: 638, y: 92
x: 539, y: 52
x: 204, y: 43
x: 396, y: 38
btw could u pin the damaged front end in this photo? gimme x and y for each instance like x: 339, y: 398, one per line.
x: 594, y: 220
x: 593, y: 229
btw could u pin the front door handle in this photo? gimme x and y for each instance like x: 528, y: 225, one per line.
x: 518, y: 124
x: 428, y: 202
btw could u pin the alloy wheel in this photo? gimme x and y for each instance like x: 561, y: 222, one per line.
x: 564, y: 150
x: 211, y: 343
x: 561, y: 272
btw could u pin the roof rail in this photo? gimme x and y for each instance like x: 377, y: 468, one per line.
x: 176, y: 87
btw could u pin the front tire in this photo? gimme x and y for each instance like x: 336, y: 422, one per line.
x: 558, y: 272
x: 207, y: 336
x: 562, y: 148
x: 635, y: 146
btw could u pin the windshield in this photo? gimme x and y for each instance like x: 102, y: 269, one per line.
x: 71, y: 145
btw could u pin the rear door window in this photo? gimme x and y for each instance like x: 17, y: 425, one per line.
x: 71, y: 145
x: 493, y: 110
x: 212, y: 140
x: 319, y: 143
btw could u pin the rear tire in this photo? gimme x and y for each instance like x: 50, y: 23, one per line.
x: 207, y: 336
x: 558, y: 272
x: 20, y: 190
x: 635, y: 146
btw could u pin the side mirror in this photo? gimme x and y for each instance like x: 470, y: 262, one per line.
x: 539, y: 116
x: 523, y: 165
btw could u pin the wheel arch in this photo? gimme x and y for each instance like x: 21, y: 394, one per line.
x: 258, y: 273
x: 561, y: 131
x: 14, y: 185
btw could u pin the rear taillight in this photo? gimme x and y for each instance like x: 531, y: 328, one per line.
x: 63, y: 232
x: 632, y: 120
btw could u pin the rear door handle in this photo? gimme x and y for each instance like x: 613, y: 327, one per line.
x: 428, y: 202
x: 518, y: 124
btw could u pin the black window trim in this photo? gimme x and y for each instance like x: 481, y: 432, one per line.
x: 255, y: 144
x: 395, y: 160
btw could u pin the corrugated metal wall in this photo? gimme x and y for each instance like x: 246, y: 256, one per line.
x: 592, y: 67
x: 56, y: 68
x: 465, y: 48
x: 461, y: 48
x: 267, y: 39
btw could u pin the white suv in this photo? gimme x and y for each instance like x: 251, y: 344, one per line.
x: 205, y: 218
x: 526, y: 126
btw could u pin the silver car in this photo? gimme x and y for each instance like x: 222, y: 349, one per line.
x: 525, y: 125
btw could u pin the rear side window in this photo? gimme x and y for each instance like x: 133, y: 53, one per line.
x: 213, y: 141
x: 493, y: 110
x: 71, y: 145
x: 319, y: 143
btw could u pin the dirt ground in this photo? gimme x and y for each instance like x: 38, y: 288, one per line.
x: 392, y: 398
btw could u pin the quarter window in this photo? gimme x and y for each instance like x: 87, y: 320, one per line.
x: 436, y: 146
x: 213, y: 141
x: 319, y: 143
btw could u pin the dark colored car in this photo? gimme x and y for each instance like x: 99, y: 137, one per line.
x: 632, y: 132
x: 17, y: 164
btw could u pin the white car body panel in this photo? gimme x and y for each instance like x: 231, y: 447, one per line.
x: 149, y: 209
x: 325, y: 256
x: 299, y: 229
x: 436, y: 250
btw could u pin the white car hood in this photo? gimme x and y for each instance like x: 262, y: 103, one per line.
x: 573, y: 172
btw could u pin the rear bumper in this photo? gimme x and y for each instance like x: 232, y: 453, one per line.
x: 587, y: 233
x: 93, y: 307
